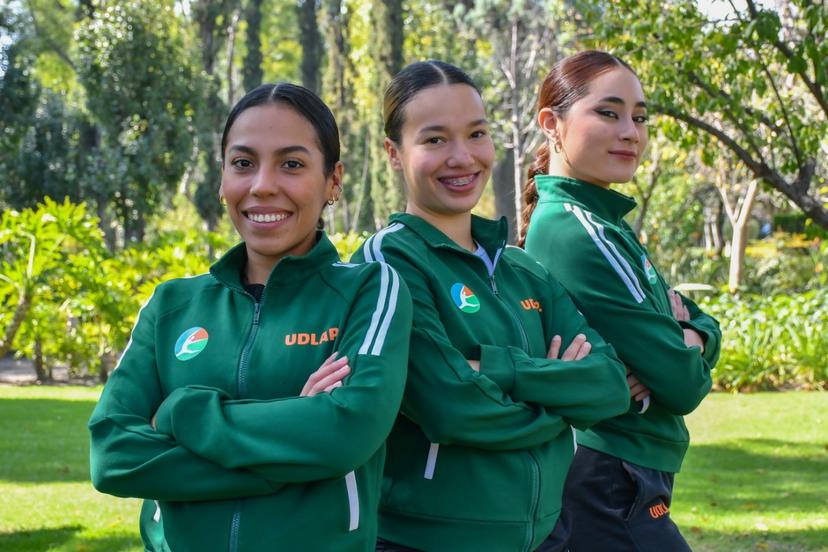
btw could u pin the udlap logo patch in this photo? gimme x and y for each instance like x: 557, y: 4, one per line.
x: 649, y: 269
x: 191, y: 343
x: 464, y: 298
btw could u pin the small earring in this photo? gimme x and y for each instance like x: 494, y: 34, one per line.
x: 557, y: 146
x: 223, y: 200
x: 330, y: 202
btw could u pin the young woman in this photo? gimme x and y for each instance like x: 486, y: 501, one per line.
x: 251, y: 404
x: 593, y: 113
x: 501, y: 365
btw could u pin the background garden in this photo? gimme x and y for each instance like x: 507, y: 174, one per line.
x: 110, y: 117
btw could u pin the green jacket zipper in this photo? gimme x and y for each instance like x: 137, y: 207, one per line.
x: 530, y: 528
x: 242, y: 390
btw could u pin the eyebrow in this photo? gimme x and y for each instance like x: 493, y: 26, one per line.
x: 617, y: 100
x: 281, y: 151
x: 441, y: 128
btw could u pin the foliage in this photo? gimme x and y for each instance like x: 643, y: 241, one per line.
x: 752, y: 86
x: 141, y: 92
x: 772, y: 341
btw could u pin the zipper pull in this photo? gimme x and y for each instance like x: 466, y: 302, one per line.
x: 494, y: 285
x: 256, y: 311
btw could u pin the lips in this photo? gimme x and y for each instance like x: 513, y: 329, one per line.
x: 631, y: 155
x: 459, y: 182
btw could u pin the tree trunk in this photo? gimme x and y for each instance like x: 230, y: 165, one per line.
x: 738, y: 242
x: 252, y: 73
x: 504, y: 189
x: 24, y: 302
x: 311, y: 42
x: 40, y: 371
x: 104, y: 367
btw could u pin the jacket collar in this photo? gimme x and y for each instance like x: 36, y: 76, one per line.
x: 228, y: 269
x: 491, y: 234
x: 606, y: 203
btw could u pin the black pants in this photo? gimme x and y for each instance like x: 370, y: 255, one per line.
x: 615, y: 506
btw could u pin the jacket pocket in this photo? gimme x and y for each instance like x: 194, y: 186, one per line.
x: 431, y: 461
x: 353, y: 501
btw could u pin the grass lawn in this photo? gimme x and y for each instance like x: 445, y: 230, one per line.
x: 756, y: 477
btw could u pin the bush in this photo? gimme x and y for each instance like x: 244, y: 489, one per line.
x: 770, y: 342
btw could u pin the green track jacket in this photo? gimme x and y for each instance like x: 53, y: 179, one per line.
x: 578, y: 233
x: 476, y: 461
x: 239, y: 461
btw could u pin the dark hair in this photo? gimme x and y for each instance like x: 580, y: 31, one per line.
x: 306, y: 103
x: 408, y: 82
x: 566, y: 83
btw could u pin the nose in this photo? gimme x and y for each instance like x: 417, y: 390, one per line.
x: 265, y: 182
x: 629, y: 132
x: 459, y: 156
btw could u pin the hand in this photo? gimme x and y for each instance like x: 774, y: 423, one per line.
x: 328, y: 377
x: 693, y: 339
x: 637, y: 389
x: 578, y: 349
x: 475, y: 365
x: 680, y: 312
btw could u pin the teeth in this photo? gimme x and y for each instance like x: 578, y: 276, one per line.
x: 459, y: 181
x: 266, y: 217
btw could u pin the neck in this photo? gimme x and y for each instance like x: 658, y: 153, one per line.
x: 456, y: 226
x: 559, y: 165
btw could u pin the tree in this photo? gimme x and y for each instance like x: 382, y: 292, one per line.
x: 139, y: 90
x: 753, y: 83
x: 252, y: 72
x: 523, y: 47
x: 311, y: 45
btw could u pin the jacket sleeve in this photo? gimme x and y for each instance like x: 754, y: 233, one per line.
x: 606, y: 290
x: 129, y: 458
x: 707, y: 327
x: 452, y: 403
x: 583, y: 391
x: 299, y: 439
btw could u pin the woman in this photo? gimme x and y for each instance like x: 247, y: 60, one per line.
x: 593, y: 114
x: 252, y: 403
x: 501, y: 365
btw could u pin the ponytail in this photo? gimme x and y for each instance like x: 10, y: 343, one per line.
x: 530, y: 191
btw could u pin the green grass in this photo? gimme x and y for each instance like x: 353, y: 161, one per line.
x: 756, y: 477
x: 47, y: 500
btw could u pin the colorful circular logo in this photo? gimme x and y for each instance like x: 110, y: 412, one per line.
x: 464, y: 298
x: 190, y: 343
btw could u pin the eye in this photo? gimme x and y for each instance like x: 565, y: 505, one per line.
x: 241, y: 163
x: 479, y: 134
x: 641, y: 119
x: 293, y: 164
x: 434, y: 140
x: 607, y: 113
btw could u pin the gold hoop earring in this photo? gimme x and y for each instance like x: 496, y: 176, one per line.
x: 557, y: 147
x: 330, y: 202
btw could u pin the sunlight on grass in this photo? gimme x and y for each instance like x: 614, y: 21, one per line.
x: 756, y: 476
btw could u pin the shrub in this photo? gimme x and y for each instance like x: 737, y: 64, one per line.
x: 773, y: 341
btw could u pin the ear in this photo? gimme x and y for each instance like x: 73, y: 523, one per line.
x: 335, y: 181
x: 393, y: 154
x: 548, y: 122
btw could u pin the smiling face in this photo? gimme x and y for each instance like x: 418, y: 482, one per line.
x: 603, y: 134
x: 445, y: 151
x: 274, y: 183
